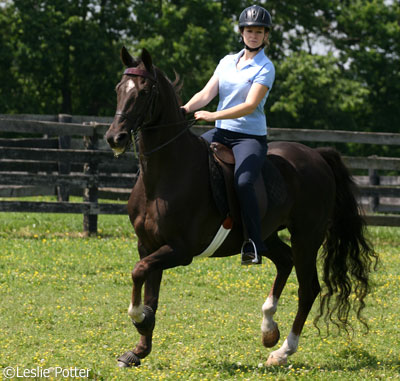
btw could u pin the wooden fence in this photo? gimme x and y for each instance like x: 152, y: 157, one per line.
x: 67, y: 155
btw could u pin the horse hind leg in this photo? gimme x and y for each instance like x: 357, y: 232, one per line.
x: 309, y: 288
x: 281, y: 256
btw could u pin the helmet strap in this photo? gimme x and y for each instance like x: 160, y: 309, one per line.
x: 254, y: 49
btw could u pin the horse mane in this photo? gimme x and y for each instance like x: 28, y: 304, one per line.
x: 176, y: 84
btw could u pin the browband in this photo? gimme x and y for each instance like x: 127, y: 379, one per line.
x: 140, y: 72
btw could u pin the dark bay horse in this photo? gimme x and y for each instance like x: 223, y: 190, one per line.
x: 173, y: 212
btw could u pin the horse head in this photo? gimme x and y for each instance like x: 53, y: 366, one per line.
x: 136, y: 93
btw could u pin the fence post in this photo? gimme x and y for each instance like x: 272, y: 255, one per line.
x: 91, y: 193
x: 64, y: 167
x: 374, y: 180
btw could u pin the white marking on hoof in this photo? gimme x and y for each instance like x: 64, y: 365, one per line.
x: 289, y: 347
x: 121, y: 364
x: 268, y: 309
x: 136, y: 313
x: 275, y: 360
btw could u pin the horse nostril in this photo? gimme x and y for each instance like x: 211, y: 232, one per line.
x: 109, y: 138
x: 122, y: 136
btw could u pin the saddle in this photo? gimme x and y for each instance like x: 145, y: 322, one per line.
x: 269, y: 187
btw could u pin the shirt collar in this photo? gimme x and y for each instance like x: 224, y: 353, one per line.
x: 260, y: 59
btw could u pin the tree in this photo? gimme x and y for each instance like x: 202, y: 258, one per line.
x: 368, y: 39
x: 66, y: 54
x: 336, y: 60
x: 188, y: 37
x: 192, y: 36
x: 314, y: 92
x: 9, y: 81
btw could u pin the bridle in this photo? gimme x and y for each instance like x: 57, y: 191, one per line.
x: 139, y: 124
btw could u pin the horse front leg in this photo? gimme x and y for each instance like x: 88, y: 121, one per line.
x: 143, y: 318
x: 147, y: 271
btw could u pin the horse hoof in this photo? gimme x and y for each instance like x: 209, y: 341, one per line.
x: 275, y: 360
x: 121, y: 364
x: 146, y: 327
x: 271, y: 338
x: 128, y: 359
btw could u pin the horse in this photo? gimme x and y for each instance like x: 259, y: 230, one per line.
x: 174, y: 215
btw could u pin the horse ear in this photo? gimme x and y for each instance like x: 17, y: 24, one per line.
x: 146, y: 59
x: 126, y: 58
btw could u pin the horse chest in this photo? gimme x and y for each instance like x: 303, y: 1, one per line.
x: 147, y: 219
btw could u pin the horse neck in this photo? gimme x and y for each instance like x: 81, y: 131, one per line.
x: 161, y: 161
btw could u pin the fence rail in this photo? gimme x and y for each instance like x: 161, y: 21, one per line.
x: 307, y: 135
x: 66, y: 155
x: 89, y: 208
x: 373, y: 162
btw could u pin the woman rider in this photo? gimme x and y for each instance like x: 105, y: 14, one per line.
x: 243, y: 82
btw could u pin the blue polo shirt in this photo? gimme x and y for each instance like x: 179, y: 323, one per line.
x: 234, y: 85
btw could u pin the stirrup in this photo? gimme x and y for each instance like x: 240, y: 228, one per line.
x: 250, y: 258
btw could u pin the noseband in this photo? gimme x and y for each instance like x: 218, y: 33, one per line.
x: 139, y: 124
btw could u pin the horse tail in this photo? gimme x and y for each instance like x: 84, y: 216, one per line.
x: 347, y: 254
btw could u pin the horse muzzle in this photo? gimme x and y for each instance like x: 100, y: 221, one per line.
x: 119, y: 141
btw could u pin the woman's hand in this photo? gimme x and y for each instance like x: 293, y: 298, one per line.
x: 184, y: 110
x: 205, y: 115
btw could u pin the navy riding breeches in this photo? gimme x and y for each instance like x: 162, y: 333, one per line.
x: 249, y: 152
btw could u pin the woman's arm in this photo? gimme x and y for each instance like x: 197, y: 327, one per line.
x: 254, y: 97
x: 203, y: 97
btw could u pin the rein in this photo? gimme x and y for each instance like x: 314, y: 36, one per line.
x: 190, y: 124
x: 139, y: 125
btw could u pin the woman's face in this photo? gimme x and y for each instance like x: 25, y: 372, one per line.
x: 254, y: 36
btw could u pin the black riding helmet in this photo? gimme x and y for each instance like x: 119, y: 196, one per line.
x: 255, y: 16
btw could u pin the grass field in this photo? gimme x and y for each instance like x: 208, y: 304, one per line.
x: 64, y: 301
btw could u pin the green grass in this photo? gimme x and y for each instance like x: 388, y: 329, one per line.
x: 64, y: 300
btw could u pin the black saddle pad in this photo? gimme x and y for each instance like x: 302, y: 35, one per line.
x: 274, y: 184
x: 273, y: 180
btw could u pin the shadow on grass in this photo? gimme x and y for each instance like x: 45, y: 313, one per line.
x: 350, y: 360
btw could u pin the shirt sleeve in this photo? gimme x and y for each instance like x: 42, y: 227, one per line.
x: 222, y: 64
x: 266, y: 76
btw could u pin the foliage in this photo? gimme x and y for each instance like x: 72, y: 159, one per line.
x: 9, y: 93
x: 65, y: 298
x: 186, y: 36
x: 60, y: 55
x: 368, y: 39
x: 336, y: 61
x: 313, y: 92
